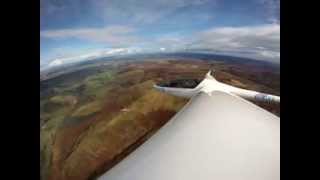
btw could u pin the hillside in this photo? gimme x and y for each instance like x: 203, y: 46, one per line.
x: 93, y: 117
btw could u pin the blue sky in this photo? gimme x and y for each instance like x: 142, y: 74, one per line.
x: 73, y: 30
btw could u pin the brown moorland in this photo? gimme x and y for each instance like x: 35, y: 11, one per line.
x: 89, y: 124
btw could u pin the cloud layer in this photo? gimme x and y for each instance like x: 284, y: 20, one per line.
x: 92, y: 55
x: 256, y: 41
x: 72, y: 30
x: 113, y: 35
x: 143, y: 11
x: 261, y: 42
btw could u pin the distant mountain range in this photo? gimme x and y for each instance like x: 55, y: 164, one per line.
x: 71, y: 67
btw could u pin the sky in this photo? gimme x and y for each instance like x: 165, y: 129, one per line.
x: 77, y: 30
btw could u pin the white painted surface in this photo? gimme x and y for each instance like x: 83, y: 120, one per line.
x: 220, y: 137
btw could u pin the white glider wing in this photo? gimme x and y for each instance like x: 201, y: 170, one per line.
x: 218, y: 136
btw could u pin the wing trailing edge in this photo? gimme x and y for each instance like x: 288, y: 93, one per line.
x: 217, y: 136
x: 209, y: 84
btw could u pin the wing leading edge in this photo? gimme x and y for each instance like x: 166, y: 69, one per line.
x: 218, y: 136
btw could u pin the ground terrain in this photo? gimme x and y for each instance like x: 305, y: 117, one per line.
x: 92, y: 117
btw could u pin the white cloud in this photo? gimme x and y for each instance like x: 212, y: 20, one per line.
x: 270, y: 54
x: 93, y: 55
x: 113, y: 35
x: 256, y: 41
x: 56, y: 62
x: 143, y: 11
x: 259, y: 42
